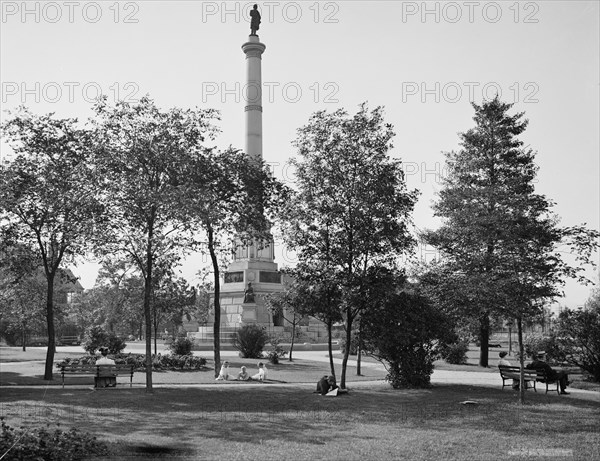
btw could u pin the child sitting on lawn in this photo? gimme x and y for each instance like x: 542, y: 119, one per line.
x: 243, y: 374
x: 224, y: 373
x: 262, y: 373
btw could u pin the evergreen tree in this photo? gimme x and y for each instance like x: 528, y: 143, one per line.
x: 498, y: 236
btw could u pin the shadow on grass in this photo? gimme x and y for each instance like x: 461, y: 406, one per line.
x: 231, y: 408
x: 172, y: 423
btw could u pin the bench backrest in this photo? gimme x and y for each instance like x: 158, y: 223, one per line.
x: 504, y: 370
x: 96, y: 368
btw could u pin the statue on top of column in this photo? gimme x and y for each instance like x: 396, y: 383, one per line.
x: 254, y: 20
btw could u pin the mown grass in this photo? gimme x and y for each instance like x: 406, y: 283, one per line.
x: 276, y: 422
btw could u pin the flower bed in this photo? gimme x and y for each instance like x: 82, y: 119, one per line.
x: 164, y: 362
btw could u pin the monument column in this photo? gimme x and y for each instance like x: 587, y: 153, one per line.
x: 253, y: 49
x: 253, y: 273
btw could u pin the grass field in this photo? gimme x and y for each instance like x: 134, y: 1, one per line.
x: 274, y: 422
x: 287, y: 421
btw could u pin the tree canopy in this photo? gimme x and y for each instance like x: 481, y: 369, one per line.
x: 351, y: 208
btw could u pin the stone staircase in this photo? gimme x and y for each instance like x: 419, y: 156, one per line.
x: 206, y: 335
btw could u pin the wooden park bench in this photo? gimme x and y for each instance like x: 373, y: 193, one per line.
x: 510, y: 373
x: 68, y: 340
x: 98, y: 371
x: 529, y: 376
x: 543, y: 378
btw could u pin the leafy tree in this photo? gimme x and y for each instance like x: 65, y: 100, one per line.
x: 97, y: 337
x: 291, y: 305
x: 231, y: 195
x: 351, y: 210
x: 145, y: 159
x: 47, y: 201
x: 22, y: 305
x: 201, y: 310
x: 114, y: 303
x: 578, y: 334
x: 22, y: 292
x: 173, y: 299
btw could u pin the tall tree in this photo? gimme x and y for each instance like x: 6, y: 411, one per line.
x: 351, y: 209
x: 499, y: 238
x: 46, y: 197
x: 531, y: 269
x: 232, y: 198
x: 145, y: 158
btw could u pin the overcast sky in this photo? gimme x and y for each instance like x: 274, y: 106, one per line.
x: 424, y: 62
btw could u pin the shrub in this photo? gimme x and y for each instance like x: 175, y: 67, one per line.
x: 579, y: 338
x: 115, y: 344
x: 96, y: 337
x: 277, y: 352
x: 455, y: 353
x: 181, y: 346
x: 47, y: 445
x: 250, y: 340
x: 412, y: 369
x: 533, y: 343
x: 403, y: 331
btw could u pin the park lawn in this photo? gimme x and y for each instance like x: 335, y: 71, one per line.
x: 16, y: 354
x: 290, y: 422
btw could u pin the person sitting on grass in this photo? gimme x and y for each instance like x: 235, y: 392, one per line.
x: 243, y: 374
x: 262, y: 373
x: 328, y: 386
x: 224, y: 373
x: 553, y: 375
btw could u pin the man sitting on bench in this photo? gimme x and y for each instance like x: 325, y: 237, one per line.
x: 553, y: 375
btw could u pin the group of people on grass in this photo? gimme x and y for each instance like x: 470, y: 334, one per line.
x: 539, y: 363
x: 243, y: 375
x: 325, y: 386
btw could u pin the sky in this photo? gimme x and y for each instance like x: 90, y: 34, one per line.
x: 425, y: 62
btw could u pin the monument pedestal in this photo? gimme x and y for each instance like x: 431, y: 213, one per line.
x: 248, y: 313
x: 261, y: 272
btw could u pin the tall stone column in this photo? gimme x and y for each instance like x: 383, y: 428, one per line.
x: 254, y: 261
x: 253, y: 49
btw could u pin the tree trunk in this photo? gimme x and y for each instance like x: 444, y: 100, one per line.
x: 293, y: 338
x: 155, y: 325
x: 330, y: 347
x: 24, y: 338
x: 147, y: 312
x: 217, y: 304
x: 484, y: 338
x: 358, y: 354
x: 521, y: 361
x: 347, y: 348
x: 148, y: 316
x: 510, y: 340
x: 50, y: 325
